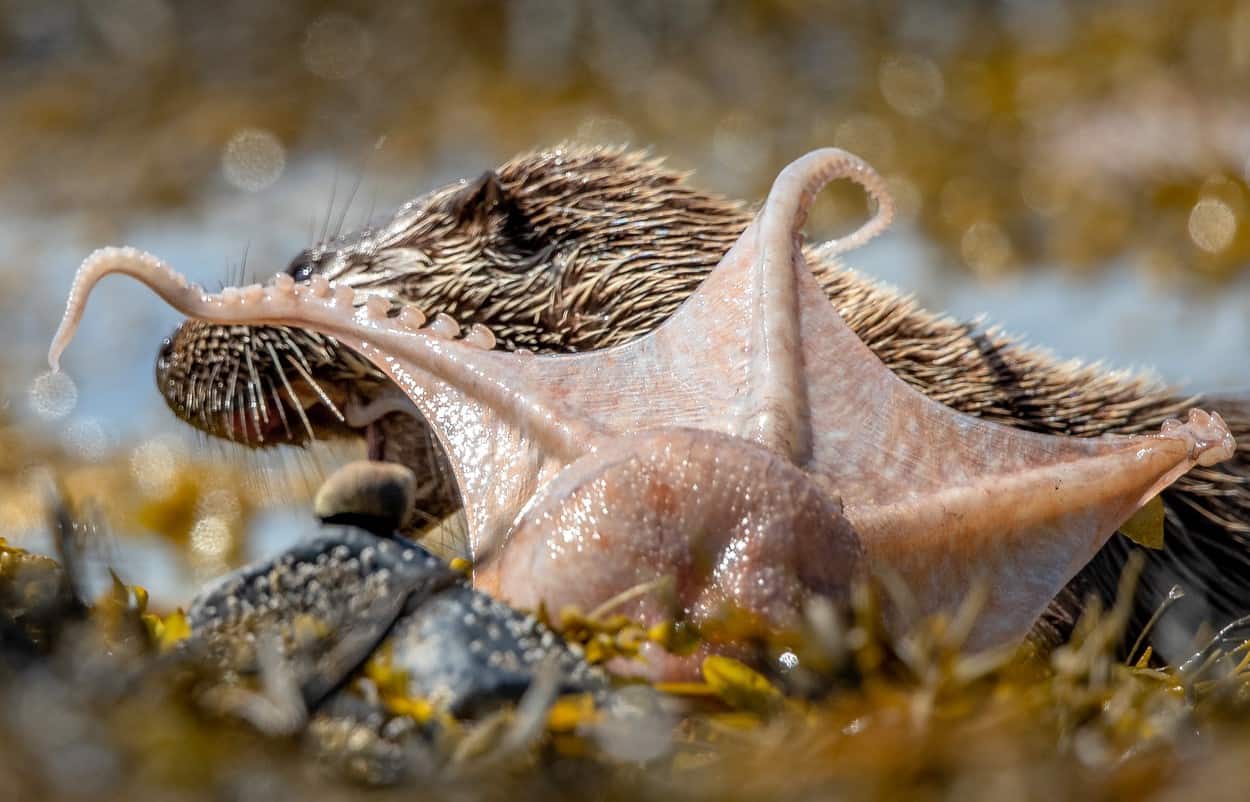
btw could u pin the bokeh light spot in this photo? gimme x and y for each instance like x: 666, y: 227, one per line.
x: 912, y: 85
x: 53, y: 395
x: 154, y: 465
x: 210, y: 537
x: 986, y: 249
x: 1212, y: 225
x: 86, y: 439
x: 253, y: 159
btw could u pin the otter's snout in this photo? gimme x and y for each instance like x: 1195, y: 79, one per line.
x: 258, y: 385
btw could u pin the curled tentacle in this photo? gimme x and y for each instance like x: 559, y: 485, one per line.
x: 811, y: 173
x: 329, y: 310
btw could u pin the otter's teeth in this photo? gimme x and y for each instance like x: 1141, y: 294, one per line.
x: 283, y: 281
x: 230, y: 295
x: 375, y: 307
x: 480, y: 336
x: 320, y: 286
x: 253, y: 293
x: 411, y: 317
x: 344, y: 295
x: 444, y: 326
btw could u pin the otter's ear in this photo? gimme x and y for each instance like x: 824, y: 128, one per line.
x: 485, y: 206
x: 479, y: 199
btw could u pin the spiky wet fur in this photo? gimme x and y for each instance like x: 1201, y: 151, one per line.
x: 577, y: 248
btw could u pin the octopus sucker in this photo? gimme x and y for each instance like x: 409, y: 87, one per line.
x: 755, y: 376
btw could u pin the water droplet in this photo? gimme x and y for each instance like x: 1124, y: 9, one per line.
x: 253, y: 159
x: 53, y: 395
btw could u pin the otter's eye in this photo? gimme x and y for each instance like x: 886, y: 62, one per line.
x: 302, y: 266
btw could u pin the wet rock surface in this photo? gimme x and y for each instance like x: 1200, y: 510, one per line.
x: 329, y: 603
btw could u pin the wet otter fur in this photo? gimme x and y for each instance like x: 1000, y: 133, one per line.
x: 577, y: 248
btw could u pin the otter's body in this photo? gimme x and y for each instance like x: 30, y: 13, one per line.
x: 574, y: 249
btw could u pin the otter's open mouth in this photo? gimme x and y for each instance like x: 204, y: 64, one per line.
x: 330, y: 412
x: 366, y: 415
x: 264, y: 386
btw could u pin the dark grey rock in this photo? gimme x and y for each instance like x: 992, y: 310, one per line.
x: 324, y: 606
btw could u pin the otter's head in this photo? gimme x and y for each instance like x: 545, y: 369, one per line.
x: 560, y: 250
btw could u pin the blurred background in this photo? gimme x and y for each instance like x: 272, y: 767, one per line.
x: 1076, y: 171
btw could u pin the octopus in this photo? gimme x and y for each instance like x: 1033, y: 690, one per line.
x: 749, y: 454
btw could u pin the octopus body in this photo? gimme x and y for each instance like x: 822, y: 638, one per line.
x: 751, y: 449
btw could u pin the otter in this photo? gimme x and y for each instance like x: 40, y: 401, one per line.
x: 577, y: 248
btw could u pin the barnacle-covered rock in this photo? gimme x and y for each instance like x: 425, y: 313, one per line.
x: 465, y: 652
x: 348, y: 603
x: 323, y: 606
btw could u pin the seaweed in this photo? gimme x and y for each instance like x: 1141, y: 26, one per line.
x: 104, y: 703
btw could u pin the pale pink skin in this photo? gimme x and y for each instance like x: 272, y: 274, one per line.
x: 752, y: 448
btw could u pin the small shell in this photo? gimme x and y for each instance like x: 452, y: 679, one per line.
x: 378, y: 496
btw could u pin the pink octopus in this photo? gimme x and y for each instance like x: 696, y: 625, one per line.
x: 752, y: 450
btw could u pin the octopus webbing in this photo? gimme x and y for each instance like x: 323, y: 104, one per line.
x: 751, y: 450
